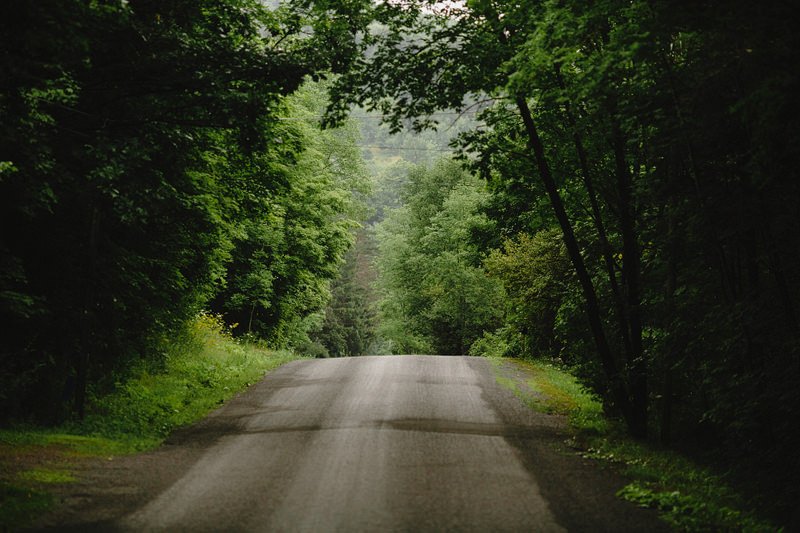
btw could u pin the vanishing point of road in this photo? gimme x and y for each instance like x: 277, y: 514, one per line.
x: 400, y: 443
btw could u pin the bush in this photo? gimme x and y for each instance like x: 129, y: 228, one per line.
x: 492, y: 344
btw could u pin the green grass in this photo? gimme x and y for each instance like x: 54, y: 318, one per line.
x: 199, y: 376
x: 687, y: 495
x: 68, y: 444
x: 20, y: 505
x: 200, y: 373
x: 47, y: 475
x: 558, y: 392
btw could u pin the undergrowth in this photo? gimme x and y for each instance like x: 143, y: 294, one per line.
x: 687, y: 495
x: 199, y: 375
x: 201, y: 370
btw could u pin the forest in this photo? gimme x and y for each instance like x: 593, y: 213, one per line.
x: 609, y: 185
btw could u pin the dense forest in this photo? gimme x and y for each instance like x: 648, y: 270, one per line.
x: 623, y: 199
x: 159, y: 159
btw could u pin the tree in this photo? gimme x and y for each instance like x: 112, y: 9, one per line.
x: 292, y: 240
x: 651, y: 131
x: 435, y: 295
x: 468, y: 52
x: 350, y: 322
x: 534, y: 271
x: 122, y: 124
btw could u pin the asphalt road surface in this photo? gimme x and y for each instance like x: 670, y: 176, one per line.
x: 402, y: 443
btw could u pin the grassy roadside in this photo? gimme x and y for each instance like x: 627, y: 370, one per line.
x: 200, y: 373
x: 687, y: 495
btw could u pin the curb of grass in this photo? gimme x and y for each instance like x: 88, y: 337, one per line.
x: 687, y: 495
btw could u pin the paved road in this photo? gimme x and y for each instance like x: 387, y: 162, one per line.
x: 403, y: 443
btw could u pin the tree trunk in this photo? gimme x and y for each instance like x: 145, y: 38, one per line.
x: 592, y: 306
x: 665, y: 407
x: 82, y: 358
x: 631, y: 267
x: 250, y: 321
x: 605, y: 245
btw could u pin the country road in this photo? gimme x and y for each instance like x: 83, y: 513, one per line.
x: 402, y: 443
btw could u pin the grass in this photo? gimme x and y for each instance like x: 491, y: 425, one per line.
x: 47, y: 475
x: 35, y: 460
x: 687, y: 495
x: 199, y: 376
x: 200, y: 373
x: 20, y: 505
x: 558, y: 392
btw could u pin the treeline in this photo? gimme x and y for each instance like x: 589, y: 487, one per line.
x: 158, y: 159
x: 643, y: 185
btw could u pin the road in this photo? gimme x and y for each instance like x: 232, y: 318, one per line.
x: 402, y: 443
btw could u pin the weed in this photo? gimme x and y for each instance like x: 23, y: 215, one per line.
x: 689, y: 513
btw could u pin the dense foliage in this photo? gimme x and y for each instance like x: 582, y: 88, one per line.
x: 293, y: 238
x: 146, y: 167
x: 657, y: 139
x: 348, y: 327
x: 435, y: 296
